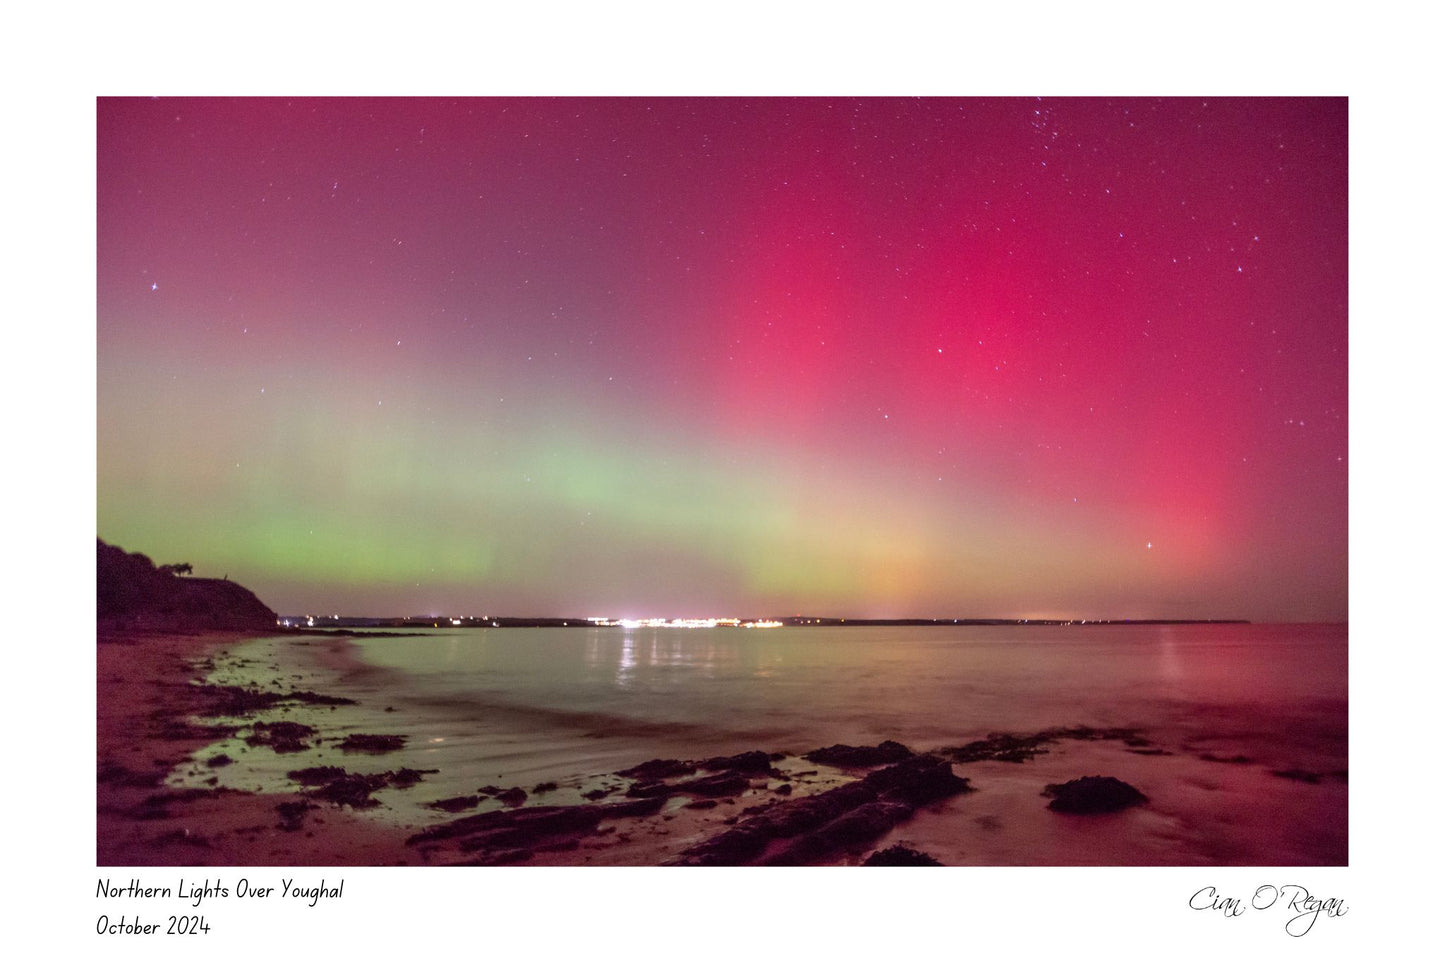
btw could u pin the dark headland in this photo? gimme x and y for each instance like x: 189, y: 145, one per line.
x: 133, y: 593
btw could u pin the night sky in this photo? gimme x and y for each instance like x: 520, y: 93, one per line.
x: 722, y: 357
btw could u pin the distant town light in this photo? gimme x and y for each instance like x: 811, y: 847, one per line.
x: 655, y: 623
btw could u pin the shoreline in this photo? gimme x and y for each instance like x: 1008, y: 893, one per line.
x: 144, y: 700
x: 977, y: 803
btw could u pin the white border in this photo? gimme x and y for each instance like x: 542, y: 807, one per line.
x: 69, y: 56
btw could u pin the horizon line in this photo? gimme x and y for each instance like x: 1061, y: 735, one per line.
x: 795, y: 619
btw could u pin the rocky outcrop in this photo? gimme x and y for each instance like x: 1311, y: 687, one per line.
x: 1008, y: 747
x: 900, y: 855
x: 1001, y: 747
x: 373, y: 744
x: 755, y: 761
x: 655, y: 769
x: 729, y: 775
x: 1093, y: 794
x: 860, y: 756
x: 515, y: 829
x: 815, y: 828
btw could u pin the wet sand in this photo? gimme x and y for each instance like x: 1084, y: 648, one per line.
x: 145, y: 702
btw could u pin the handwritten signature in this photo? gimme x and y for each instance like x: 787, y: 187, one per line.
x: 1290, y: 897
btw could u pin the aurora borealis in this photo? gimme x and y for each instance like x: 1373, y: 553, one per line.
x: 874, y: 358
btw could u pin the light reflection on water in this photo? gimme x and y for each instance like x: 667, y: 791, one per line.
x: 884, y: 682
x: 520, y: 706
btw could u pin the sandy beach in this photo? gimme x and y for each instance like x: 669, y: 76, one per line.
x: 145, y: 700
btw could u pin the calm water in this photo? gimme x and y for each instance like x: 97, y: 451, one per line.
x: 521, y: 706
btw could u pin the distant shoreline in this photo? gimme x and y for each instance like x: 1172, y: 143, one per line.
x: 302, y: 623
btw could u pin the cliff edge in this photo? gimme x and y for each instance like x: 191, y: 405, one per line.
x: 131, y: 592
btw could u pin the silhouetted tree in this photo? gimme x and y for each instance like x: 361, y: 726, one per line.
x: 179, y: 568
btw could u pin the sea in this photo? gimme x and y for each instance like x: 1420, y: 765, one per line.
x: 1240, y: 731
